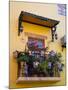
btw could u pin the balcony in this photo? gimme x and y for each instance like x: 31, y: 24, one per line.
x: 38, y: 66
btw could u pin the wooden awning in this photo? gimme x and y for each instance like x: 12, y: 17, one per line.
x: 38, y: 20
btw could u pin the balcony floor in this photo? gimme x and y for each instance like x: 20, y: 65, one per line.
x: 21, y: 79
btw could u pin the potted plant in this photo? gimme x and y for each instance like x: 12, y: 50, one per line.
x: 52, y: 66
x: 42, y: 69
x: 56, y: 63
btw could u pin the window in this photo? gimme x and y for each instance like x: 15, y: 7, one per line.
x: 36, y: 43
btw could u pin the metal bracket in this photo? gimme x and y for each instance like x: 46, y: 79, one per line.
x: 20, y: 27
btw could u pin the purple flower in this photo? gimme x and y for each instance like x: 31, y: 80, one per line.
x: 49, y: 64
x: 52, y: 53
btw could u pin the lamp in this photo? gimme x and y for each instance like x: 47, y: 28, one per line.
x: 54, y: 34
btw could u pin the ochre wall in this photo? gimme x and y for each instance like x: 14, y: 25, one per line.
x: 18, y: 43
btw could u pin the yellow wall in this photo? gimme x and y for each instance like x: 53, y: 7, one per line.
x: 18, y: 42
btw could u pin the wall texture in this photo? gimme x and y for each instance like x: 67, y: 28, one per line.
x: 18, y: 42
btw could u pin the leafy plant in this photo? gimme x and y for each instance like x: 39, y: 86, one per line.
x: 53, y: 65
x: 23, y: 58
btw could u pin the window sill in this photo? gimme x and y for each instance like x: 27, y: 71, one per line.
x: 21, y: 79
